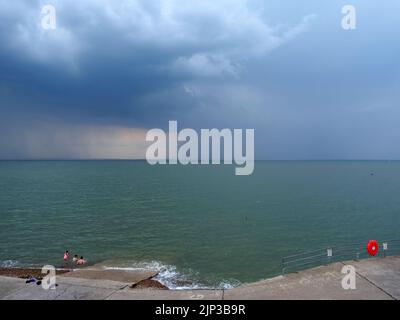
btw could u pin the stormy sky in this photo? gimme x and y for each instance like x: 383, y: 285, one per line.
x: 113, y: 69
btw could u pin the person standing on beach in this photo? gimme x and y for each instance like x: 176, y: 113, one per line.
x: 66, y: 255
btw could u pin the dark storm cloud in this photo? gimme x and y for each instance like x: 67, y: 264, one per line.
x: 309, y: 88
x: 105, y: 56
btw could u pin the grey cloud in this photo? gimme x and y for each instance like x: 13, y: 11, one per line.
x: 287, y: 69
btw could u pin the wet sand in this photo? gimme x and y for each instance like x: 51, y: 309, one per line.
x: 25, y: 273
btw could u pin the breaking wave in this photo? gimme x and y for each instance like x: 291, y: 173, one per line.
x: 171, y: 277
x: 9, y: 264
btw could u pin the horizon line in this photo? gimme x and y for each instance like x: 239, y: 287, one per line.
x: 142, y: 159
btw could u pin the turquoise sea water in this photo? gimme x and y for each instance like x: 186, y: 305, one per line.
x: 203, y: 224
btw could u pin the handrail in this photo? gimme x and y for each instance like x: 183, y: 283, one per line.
x: 331, y: 254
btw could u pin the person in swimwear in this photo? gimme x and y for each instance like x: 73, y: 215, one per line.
x: 75, y: 259
x: 81, y: 261
x: 66, y: 255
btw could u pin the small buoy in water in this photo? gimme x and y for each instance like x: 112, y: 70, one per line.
x: 372, y: 247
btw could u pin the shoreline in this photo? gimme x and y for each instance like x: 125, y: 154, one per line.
x: 376, y: 279
x: 151, y: 278
x: 26, y: 273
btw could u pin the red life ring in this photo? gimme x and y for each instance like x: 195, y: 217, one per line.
x: 372, y: 247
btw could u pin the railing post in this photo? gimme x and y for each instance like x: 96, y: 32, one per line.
x: 385, y: 247
x: 329, y: 253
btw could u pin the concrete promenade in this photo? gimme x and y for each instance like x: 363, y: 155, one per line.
x: 377, y: 278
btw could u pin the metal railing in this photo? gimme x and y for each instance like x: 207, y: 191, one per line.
x: 331, y: 254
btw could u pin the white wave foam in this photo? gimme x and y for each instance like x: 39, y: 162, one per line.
x: 229, y: 284
x: 8, y: 264
x: 171, y: 277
